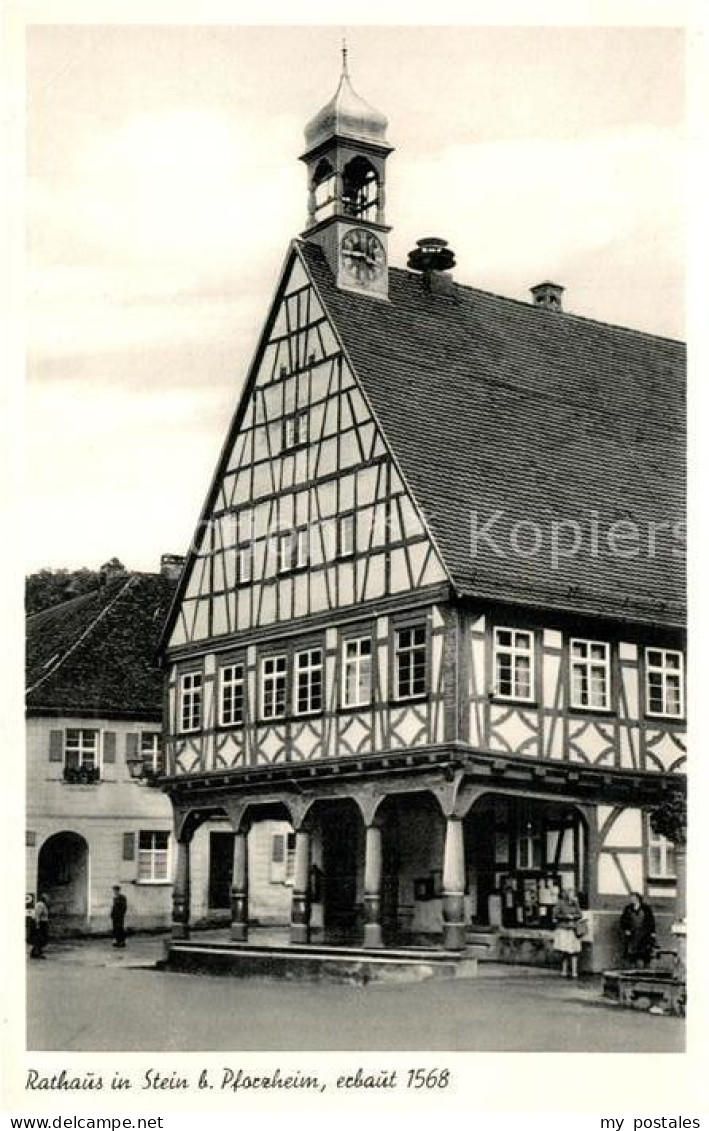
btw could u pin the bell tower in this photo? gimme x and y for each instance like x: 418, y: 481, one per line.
x: 346, y: 152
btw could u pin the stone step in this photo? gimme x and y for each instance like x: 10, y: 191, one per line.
x: 315, y: 963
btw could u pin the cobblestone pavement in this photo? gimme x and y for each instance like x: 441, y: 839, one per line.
x: 87, y: 996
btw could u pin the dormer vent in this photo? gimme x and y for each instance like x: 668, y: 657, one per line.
x: 548, y: 295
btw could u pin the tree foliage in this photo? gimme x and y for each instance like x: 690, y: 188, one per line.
x: 669, y: 819
x: 48, y: 587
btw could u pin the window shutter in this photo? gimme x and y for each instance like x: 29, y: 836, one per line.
x: 277, y: 873
x: 109, y: 746
x: 129, y: 846
x: 56, y: 746
x: 132, y: 746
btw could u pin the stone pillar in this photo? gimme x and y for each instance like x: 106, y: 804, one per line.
x: 681, y: 871
x: 300, y: 905
x: 240, y: 889
x: 181, y: 892
x: 453, y: 885
x: 373, y: 887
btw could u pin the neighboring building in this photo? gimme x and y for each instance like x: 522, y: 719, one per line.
x: 362, y: 644
x: 94, y: 695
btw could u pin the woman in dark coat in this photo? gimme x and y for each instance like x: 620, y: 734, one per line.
x: 637, y: 924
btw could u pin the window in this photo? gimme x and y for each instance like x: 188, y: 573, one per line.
x: 664, y: 686
x: 151, y: 753
x: 308, y: 681
x: 152, y: 857
x: 81, y: 756
x: 661, y: 856
x: 302, y: 547
x: 590, y: 674
x: 190, y: 701
x: 81, y: 750
x: 295, y: 430
x: 285, y: 550
x: 357, y: 672
x: 244, y: 564
x: 345, y: 536
x: 410, y: 662
x: 273, y: 687
x: 514, y: 664
x: 231, y: 695
x: 282, y: 863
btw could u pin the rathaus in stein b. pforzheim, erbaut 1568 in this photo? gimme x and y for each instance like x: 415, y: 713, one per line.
x: 453, y: 732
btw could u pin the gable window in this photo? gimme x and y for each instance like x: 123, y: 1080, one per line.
x: 285, y: 552
x: 410, y: 662
x: 664, y: 682
x: 231, y: 695
x: 153, y: 857
x: 514, y: 664
x: 346, y: 536
x: 244, y: 564
x: 302, y: 547
x: 151, y: 753
x: 282, y: 862
x: 590, y: 674
x: 357, y: 672
x: 661, y: 863
x: 273, y: 687
x: 190, y: 701
x: 81, y: 755
x: 294, y: 430
x: 308, y: 681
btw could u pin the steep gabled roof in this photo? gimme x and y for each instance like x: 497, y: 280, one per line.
x: 96, y: 654
x: 495, y: 407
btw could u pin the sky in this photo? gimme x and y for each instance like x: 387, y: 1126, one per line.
x: 163, y: 188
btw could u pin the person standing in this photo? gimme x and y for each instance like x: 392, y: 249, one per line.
x: 41, y: 927
x: 637, y: 924
x: 118, y: 916
x: 566, y: 917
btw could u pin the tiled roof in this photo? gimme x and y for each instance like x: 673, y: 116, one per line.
x: 493, y: 405
x: 96, y: 654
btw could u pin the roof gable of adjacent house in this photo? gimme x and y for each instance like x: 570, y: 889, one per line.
x: 95, y: 655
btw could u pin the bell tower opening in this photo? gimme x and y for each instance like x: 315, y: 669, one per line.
x: 345, y: 156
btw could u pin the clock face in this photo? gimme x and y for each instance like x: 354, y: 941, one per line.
x: 363, y: 256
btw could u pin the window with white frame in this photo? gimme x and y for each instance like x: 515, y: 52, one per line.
x: 410, y: 661
x: 346, y: 536
x: 308, y: 681
x: 357, y: 672
x: 285, y: 551
x: 151, y: 752
x: 81, y: 749
x: 274, y: 676
x: 244, y: 563
x: 231, y: 695
x: 514, y: 663
x: 661, y: 863
x: 664, y: 682
x: 190, y: 701
x: 590, y: 674
x: 302, y: 547
x: 295, y: 430
x: 153, y: 848
x: 282, y: 861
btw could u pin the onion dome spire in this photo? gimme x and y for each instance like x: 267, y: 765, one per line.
x: 346, y: 115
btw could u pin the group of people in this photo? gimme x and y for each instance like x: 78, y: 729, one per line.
x: 637, y: 927
x: 38, y: 922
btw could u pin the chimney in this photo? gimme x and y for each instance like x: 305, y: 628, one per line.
x: 548, y: 295
x: 171, y: 565
x: 112, y: 569
x: 433, y: 258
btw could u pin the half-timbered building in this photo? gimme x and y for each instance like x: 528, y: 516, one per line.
x: 433, y: 618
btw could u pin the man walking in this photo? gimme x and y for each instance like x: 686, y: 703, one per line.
x: 118, y: 916
x: 41, y: 927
